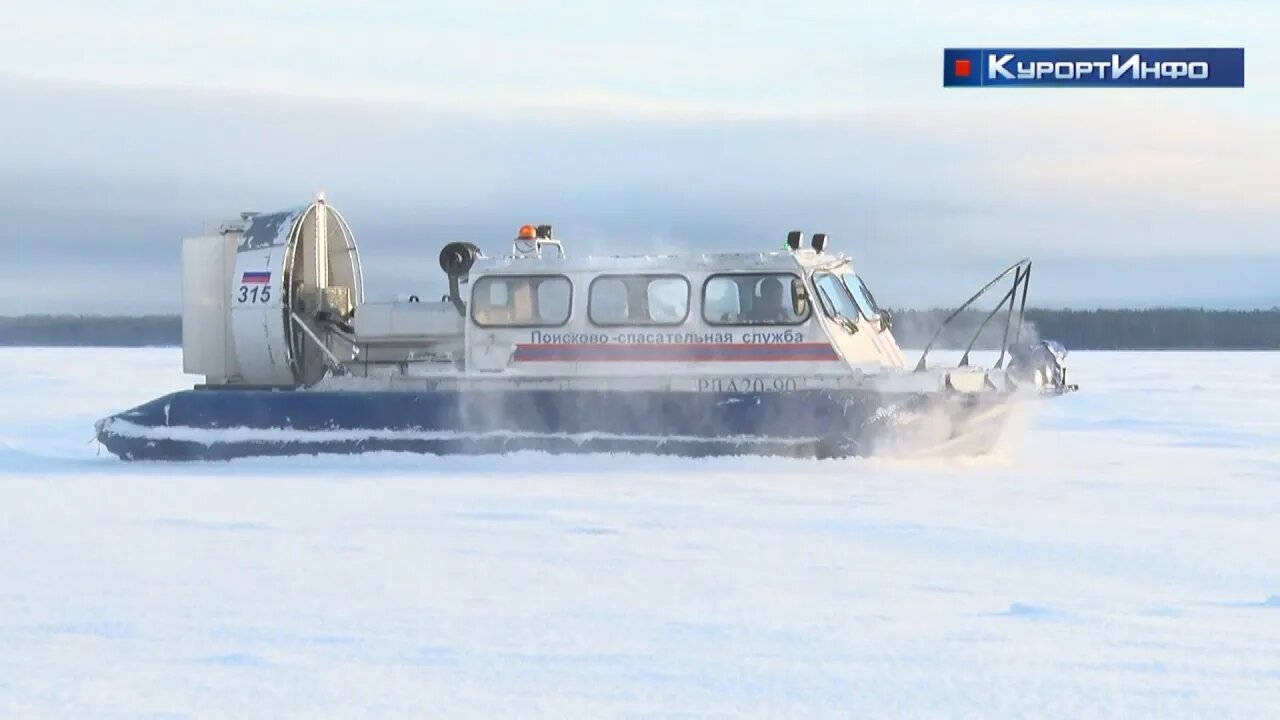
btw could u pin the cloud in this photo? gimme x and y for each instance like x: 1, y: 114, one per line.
x: 630, y: 127
x: 752, y: 56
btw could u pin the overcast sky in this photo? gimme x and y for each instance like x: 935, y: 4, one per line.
x: 636, y: 126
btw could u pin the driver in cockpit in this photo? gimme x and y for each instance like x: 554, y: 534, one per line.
x: 770, y: 306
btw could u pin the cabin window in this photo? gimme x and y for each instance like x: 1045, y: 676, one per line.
x: 638, y: 300
x: 754, y: 299
x: 521, y: 300
x: 834, y: 297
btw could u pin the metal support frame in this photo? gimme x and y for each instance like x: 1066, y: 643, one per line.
x: 1021, y: 271
x: 336, y: 363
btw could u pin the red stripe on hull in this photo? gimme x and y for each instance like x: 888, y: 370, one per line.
x: 677, y: 352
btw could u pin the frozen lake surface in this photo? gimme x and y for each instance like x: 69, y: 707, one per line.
x: 1120, y: 558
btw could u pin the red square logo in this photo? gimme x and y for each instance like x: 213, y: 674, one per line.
x: 963, y: 68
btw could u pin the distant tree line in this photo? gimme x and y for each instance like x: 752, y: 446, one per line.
x: 1154, y: 329
x: 1161, y: 329
x: 91, y: 330
x: 1157, y: 329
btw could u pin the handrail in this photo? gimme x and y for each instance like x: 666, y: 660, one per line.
x: 1021, y: 280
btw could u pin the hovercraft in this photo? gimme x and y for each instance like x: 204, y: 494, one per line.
x: 695, y: 354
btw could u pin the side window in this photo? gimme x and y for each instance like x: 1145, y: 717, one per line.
x: 668, y: 300
x: 554, y: 298
x: 754, y: 299
x: 498, y: 293
x: 521, y: 300
x: 720, y: 300
x: 607, y: 304
x: 638, y: 300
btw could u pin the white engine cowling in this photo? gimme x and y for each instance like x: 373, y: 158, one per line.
x: 428, y: 321
x: 290, y: 268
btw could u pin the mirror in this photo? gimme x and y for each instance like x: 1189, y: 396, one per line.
x: 799, y: 298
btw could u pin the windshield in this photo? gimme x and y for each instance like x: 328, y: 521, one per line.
x: 861, y: 294
x: 835, y: 300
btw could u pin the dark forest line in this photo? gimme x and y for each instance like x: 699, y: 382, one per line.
x: 1156, y: 329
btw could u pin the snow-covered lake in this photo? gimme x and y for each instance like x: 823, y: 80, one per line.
x: 1120, y: 558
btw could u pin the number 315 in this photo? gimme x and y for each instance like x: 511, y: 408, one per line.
x: 255, y: 294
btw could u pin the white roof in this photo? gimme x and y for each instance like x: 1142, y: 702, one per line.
x: 783, y: 261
